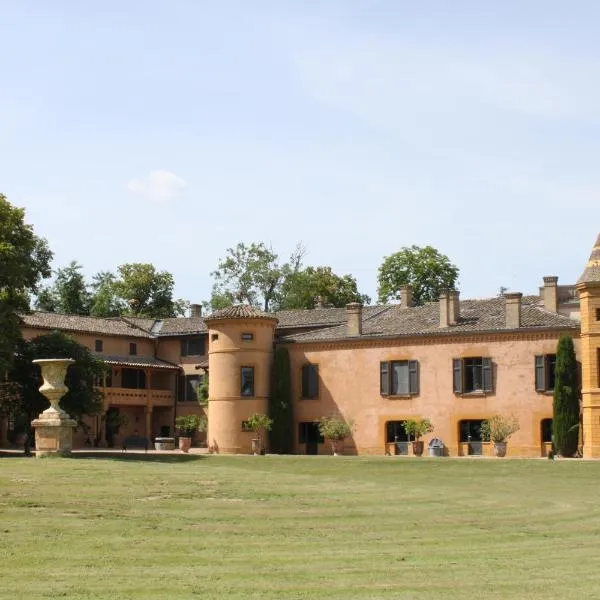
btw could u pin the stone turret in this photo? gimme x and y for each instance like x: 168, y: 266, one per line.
x: 240, y: 355
x: 588, y: 287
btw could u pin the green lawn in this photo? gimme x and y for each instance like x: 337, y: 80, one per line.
x: 298, y: 527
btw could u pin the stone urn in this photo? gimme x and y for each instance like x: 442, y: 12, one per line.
x: 53, y: 427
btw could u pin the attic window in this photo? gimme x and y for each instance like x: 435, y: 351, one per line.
x: 214, y: 337
x: 247, y: 337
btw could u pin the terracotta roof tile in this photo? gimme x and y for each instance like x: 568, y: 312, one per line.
x: 240, y: 311
x: 136, y: 361
x: 591, y: 274
x: 320, y: 317
x: 180, y: 326
x: 475, y: 316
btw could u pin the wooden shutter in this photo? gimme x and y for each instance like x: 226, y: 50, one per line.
x: 384, y: 378
x: 457, y: 378
x: 540, y: 374
x: 487, y: 374
x: 305, y: 382
x: 413, y: 376
x: 313, y: 381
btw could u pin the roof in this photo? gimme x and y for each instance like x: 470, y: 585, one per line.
x: 591, y: 273
x: 111, y: 326
x: 240, y: 311
x: 180, y: 326
x: 476, y: 316
x: 136, y: 361
x: 321, y: 317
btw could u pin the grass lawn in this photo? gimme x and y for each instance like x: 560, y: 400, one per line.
x: 298, y: 527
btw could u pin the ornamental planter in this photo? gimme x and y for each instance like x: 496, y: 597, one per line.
x: 256, y: 446
x: 336, y: 447
x: 500, y: 449
x: 418, y: 448
x: 185, y: 443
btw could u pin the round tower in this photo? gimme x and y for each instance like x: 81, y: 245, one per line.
x: 240, y: 355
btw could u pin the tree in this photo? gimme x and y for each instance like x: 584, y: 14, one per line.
x: 247, y: 275
x: 425, y: 269
x: 280, y: 404
x: 21, y: 398
x: 147, y: 292
x: 336, y: 430
x: 105, y: 302
x: 565, y: 420
x: 24, y: 262
x: 259, y: 424
x: 305, y: 287
x: 68, y: 294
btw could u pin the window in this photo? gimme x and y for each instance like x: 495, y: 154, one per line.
x: 470, y: 431
x: 545, y: 372
x: 133, y: 379
x: 247, y: 337
x: 547, y: 430
x: 187, y: 387
x: 399, y: 378
x: 247, y: 381
x: 598, y: 314
x: 472, y: 375
x: 98, y: 345
x: 193, y: 346
x: 133, y: 349
x: 394, y: 432
x: 214, y: 337
x: 308, y: 433
x: 310, y: 381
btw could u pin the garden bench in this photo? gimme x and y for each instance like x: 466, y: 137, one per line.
x: 135, y: 441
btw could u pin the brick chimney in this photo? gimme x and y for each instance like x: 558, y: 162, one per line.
x: 444, y: 312
x: 453, y: 307
x: 513, y: 309
x: 550, y: 293
x: 406, y: 296
x: 195, y: 310
x: 354, y: 319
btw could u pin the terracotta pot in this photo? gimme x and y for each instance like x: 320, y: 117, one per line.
x: 336, y: 446
x: 418, y: 448
x: 500, y: 449
x: 185, y: 443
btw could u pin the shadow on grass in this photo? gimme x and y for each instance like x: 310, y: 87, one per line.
x: 118, y: 456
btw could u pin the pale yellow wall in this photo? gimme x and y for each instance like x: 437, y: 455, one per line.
x: 227, y: 409
x: 349, y: 385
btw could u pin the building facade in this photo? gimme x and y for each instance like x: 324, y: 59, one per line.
x: 456, y: 362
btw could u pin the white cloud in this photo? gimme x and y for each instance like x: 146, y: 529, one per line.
x: 157, y: 185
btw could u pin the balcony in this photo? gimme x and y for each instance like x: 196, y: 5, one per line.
x: 117, y: 396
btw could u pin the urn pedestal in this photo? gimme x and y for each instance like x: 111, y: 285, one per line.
x: 53, y: 427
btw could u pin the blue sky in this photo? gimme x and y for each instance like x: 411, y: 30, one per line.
x: 167, y: 131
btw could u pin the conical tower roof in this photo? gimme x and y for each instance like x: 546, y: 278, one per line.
x: 591, y: 274
x: 240, y: 311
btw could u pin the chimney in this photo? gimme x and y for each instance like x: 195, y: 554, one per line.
x: 453, y: 307
x: 513, y: 310
x: 195, y: 310
x: 550, y: 294
x: 354, y: 316
x: 444, y: 317
x: 406, y: 296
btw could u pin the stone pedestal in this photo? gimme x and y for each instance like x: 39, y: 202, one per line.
x: 53, y: 434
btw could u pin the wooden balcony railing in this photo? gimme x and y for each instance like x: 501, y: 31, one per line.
x: 133, y: 397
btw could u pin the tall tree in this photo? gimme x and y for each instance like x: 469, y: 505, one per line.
x: 565, y: 420
x: 69, y: 294
x: 247, y: 275
x: 281, y: 436
x: 428, y: 271
x: 104, y: 302
x: 147, y: 292
x: 305, y: 287
x: 24, y: 262
x: 21, y: 398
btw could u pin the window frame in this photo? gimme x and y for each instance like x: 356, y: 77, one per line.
x: 185, y: 346
x: 543, y: 365
x: 386, y: 378
x: 314, y: 368
x: 459, y: 370
x: 252, y: 393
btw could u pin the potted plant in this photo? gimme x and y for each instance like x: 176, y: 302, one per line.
x: 335, y: 430
x: 498, y: 429
x: 417, y: 428
x: 187, y: 425
x: 259, y: 423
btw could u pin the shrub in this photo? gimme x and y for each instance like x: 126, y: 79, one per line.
x: 565, y: 420
x: 202, y: 391
x: 334, y: 428
x: 417, y: 428
x: 499, y: 428
x: 187, y: 425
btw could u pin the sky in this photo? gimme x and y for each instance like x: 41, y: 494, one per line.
x: 166, y: 131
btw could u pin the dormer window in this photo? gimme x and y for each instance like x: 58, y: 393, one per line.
x: 247, y: 337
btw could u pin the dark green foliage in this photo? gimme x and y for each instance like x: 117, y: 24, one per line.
x: 68, y: 294
x: 21, y: 399
x: 281, y: 436
x: 565, y: 421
